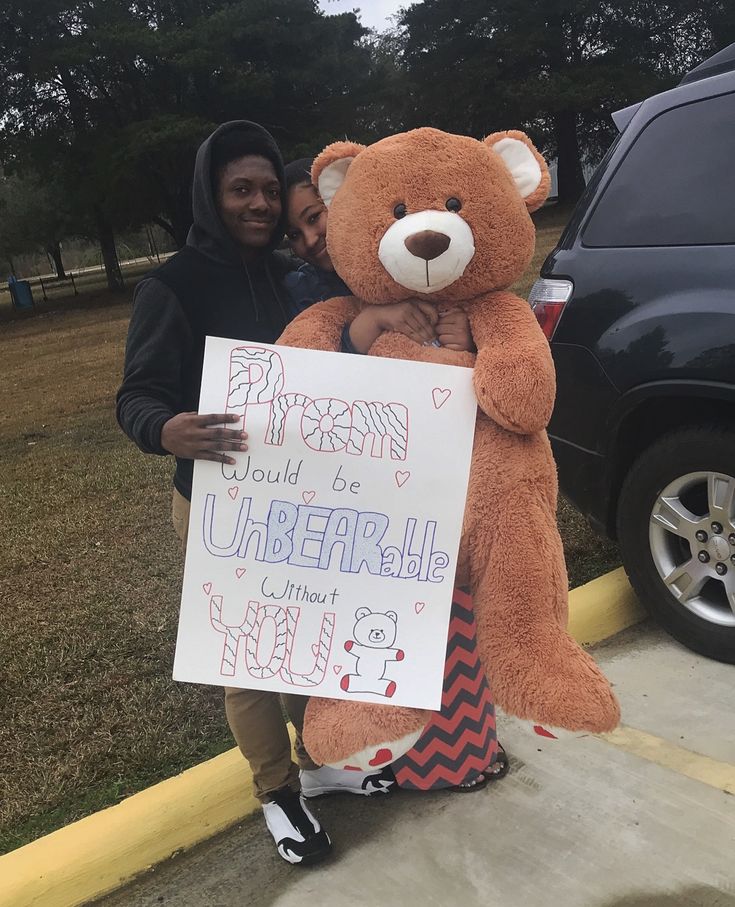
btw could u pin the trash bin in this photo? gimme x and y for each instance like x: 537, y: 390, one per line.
x: 20, y: 293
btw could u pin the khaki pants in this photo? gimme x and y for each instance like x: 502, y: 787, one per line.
x: 256, y: 718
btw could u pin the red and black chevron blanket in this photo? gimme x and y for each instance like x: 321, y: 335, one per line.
x: 460, y: 740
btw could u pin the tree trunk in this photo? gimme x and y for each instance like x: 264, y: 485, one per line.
x: 570, y: 178
x: 54, y: 251
x: 181, y: 231
x: 182, y: 217
x: 109, y: 253
x: 177, y: 229
x: 152, y: 243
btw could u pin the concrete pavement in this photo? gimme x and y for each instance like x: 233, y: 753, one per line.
x: 641, y: 818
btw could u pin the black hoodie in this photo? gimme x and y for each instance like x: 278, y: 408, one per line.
x: 205, y: 288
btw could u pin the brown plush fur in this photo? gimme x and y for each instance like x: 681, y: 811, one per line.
x: 511, y: 553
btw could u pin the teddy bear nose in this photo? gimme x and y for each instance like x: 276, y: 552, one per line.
x: 427, y: 244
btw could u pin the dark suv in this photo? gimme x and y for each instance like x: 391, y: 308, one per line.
x: 638, y: 301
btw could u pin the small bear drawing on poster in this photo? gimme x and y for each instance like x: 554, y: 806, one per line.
x: 374, y: 634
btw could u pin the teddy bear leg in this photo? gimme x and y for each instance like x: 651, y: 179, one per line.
x: 347, y: 734
x: 536, y: 669
x: 356, y: 683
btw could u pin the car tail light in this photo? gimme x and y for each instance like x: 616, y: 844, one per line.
x: 547, y: 299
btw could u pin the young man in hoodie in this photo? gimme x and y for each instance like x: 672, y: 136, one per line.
x: 226, y: 282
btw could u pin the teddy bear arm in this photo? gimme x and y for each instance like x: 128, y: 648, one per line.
x: 514, y: 375
x: 358, y: 649
x: 320, y: 326
x: 536, y: 669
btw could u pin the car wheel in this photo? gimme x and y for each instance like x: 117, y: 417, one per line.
x: 676, y: 528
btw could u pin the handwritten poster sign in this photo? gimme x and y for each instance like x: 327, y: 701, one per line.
x: 323, y: 561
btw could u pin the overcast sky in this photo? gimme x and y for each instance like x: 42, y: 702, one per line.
x: 373, y: 13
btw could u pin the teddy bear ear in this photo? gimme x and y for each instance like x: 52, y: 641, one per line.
x: 526, y: 165
x: 362, y: 612
x: 330, y: 168
x: 392, y: 615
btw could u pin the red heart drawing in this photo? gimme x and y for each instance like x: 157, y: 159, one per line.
x: 383, y: 755
x: 315, y: 650
x: 440, y: 395
x: 419, y: 607
x: 233, y: 491
x: 308, y: 496
x: 402, y: 477
x: 207, y: 588
x: 336, y: 668
x: 240, y: 572
x: 542, y: 732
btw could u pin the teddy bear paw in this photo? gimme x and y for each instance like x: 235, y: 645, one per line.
x: 567, y: 692
x: 348, y: 734
x: 379, y: 755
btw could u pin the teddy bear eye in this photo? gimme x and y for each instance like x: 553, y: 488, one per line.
x: 453, y: 204
x: 400, y: 211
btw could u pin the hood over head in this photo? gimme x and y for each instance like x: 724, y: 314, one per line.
x: 208, y: 234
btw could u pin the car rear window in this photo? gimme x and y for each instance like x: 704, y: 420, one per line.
x: 676, y: 185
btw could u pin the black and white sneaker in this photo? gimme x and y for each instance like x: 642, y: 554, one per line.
x: 328, y: 780
x: 298, y: 835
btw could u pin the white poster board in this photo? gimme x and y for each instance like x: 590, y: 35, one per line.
x: 323, y: 562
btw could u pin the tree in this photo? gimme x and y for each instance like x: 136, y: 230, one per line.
x: 12, y: 243
x: 550, y: 66
x: 47, y: 123
x: 118, y: 95
x: 33, y: 215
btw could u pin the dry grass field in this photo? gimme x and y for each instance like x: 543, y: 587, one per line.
x: 90, y: 575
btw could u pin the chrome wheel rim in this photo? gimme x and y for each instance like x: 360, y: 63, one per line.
x: 692, y: 540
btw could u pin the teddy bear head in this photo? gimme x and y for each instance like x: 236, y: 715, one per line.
x: 375, y: 629
x: 425, y: 214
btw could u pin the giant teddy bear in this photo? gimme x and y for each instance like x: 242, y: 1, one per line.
x: 443, y: 218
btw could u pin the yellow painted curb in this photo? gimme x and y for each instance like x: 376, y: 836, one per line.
x: 98, y: 854
x: 720, y: 775
x: 95, y: 855
x: 602, y: 608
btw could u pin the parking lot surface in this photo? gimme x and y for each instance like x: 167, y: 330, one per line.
x: 643, y: 817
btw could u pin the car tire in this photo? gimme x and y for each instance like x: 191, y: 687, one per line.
x: 684, y: 474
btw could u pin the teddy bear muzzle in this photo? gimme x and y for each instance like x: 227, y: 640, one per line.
x: 428, y: 250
